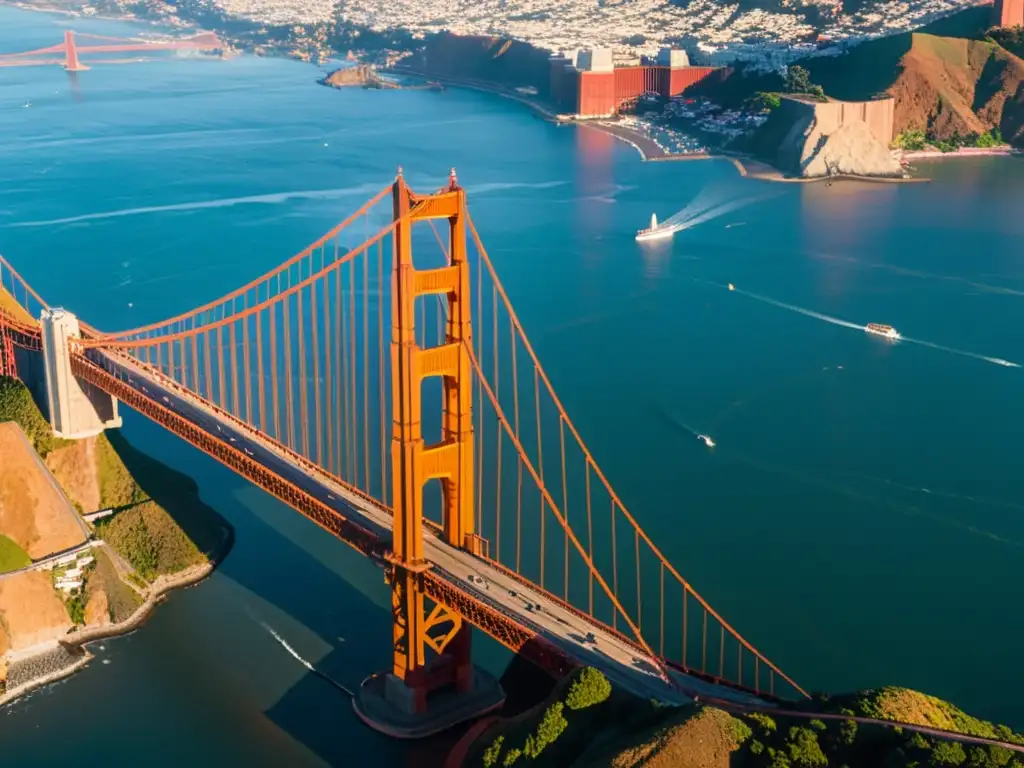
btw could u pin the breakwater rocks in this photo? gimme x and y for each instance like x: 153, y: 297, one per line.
x: 35, y: 671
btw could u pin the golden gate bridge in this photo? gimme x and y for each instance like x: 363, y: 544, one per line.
x: 402, y: 408
x: 69, y: 51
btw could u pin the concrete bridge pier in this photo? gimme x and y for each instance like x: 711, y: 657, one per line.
x: 77, y: 409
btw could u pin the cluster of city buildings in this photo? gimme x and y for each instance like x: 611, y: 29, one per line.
x: 281, y: 12
x: 712, y: 33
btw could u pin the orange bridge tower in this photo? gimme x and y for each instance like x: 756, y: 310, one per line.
x: 71, y: 62
x: 1009, y: 13
x: 396, y: 702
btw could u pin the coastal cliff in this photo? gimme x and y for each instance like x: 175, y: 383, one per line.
x: 158, y: 533
x: 495, y: 60
x: 950, y: 80
x: 806, y: 139
x: 956, y: 87
x: 586, y: 723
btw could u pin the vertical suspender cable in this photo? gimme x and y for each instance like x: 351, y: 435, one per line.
x: 366, y: 371
x: 328, y: 392
x: 303, y: 381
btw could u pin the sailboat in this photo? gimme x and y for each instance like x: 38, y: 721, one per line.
x: 653, y: 233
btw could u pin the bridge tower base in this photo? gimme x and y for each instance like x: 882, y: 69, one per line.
x: 77, y: 409
x: 387, y: 704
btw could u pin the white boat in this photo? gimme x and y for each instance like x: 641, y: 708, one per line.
x: 707, y: 440
x: 653, y: 233
x: 882, y: 330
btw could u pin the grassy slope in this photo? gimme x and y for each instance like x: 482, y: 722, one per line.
x: 12, y: 557
x: 16, y: 405
x: 122, y: 600
x: 162, y: 527
x: 872, y: 67
x: 187, y: 530
x: 622, y: 731
x: 625, y: 732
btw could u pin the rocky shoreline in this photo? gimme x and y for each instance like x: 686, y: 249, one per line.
x: 71, y: 653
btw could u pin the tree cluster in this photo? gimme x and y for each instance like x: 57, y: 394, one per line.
x: 798, y: 80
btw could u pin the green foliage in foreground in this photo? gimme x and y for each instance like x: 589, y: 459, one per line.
x: 589, y: 687
x: 797, y: 743
x: 17, y: 405
x: 624, y: 731
x: 12, y: 557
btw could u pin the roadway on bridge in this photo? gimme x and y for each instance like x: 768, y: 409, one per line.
x: 623, y: 663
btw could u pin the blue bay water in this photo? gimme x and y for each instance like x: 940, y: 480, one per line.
x: 861, y: 519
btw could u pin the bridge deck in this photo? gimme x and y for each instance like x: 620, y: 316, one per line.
x: 624, y: 663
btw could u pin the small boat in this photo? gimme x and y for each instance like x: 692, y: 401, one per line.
x: 707, y: 440
x: 887, y: 331
x: 653, y: 233
x: 732, y: 287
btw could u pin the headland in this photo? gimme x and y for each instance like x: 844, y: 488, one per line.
x: 97, y: 534
x: 584, y: 722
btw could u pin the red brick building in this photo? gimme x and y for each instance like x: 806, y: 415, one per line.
x: 593, y: 87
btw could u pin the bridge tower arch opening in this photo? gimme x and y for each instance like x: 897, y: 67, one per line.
x: 420, y: 696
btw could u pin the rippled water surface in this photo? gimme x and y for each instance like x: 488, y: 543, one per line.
x: 861, y: 519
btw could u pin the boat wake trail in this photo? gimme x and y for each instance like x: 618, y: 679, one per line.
x: 847, y: 324
x: 953, y: 351
x: 801, y: 310
x: 303, y: 662
x: 704, y: 208
x: 674, y: 422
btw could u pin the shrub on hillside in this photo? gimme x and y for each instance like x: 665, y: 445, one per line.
x: 548, y: 730
x: 804, y: 750
x: 150, y: 540
x: 17, y: 405
x: 589, y: 687
x: 947, y: 754
x: 492, y: 753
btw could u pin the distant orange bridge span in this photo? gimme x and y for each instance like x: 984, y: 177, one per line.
x: 70, y: 51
